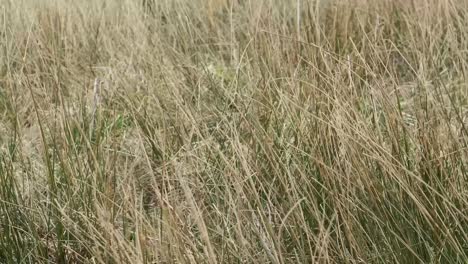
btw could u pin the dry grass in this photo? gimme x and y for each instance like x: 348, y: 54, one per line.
x: 229, y: 131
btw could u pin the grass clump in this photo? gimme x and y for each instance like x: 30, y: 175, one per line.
x: 228, y: 131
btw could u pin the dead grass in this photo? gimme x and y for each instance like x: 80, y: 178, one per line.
x: 222, y: 134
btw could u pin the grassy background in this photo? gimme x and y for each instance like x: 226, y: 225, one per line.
x: 227, y: 131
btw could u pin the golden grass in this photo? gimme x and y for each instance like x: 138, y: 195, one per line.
x: 229, y: 131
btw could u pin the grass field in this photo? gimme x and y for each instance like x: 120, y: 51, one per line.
x: 234, y: 131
